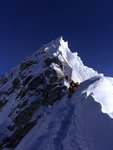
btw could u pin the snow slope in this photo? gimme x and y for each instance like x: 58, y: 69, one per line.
x: 82, y: 122
x: 75, y: 123
x: 79, y: 71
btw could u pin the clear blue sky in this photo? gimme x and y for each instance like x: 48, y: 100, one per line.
x: 25, y: 25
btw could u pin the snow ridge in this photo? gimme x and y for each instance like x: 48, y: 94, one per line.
x: 79, y: 72
x: 35, y: 106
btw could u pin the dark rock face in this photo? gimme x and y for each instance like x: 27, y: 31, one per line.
x: 36, y: 81
x: 22, y: 105
x: 53, y: 79
x: 13, y: 140
x: 49, y: 71
x: 27, y: 64
x: 51, y: 60
x: 33, y: 91
x: 3, y: 80
x: 21, y: 125
x: 55, y: 89
x: 2, y: 103
x: 51, y: 74
x: 25, y: 115
x: 54, y: 94
x: 15, y: 83
x: 27, y: 80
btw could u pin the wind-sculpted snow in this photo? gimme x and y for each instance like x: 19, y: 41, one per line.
x: 36, y: 112
x: 97, y: 125
x: 75, y: 123
x: 79, y: 71
x: 101, y: 89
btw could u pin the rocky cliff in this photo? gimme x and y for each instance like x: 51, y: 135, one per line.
x: 39, y: 81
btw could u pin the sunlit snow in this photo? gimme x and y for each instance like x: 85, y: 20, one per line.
x: 82, y: 122
x: 70, y: 123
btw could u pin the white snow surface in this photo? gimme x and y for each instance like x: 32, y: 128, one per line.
x: 75, y: 123
x: 79, y: 71
x: 82, y: 122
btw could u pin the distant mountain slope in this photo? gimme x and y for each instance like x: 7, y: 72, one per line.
x: 36, y: 112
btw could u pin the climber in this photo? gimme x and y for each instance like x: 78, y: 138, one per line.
x: 62, y: 66
x: 70, y: 91
x: 73, y: 86
x: 76, y: 84
x: 66, y: 78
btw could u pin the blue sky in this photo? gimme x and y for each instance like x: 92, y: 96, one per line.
x: 25, y: 25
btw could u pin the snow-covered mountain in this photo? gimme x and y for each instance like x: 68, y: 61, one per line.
x: 36, y: 112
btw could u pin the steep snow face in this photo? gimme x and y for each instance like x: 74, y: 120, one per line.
x: 101, y: 90
x: 60, y: 129
x: 76, y: 123
x: 80, y: 122
x: 73, y: 65
x: 79, y: 71
x: 26, y: 123
x: 98, y: 117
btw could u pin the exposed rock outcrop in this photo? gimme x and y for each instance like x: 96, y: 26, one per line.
x: 30, y: 91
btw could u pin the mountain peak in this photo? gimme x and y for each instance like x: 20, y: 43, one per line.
x: 34, y: 100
